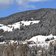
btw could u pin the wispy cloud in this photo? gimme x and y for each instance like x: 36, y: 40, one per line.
x: 23, y: 3
x: 38, y: 0
x: 4, y: 1
x: 19, y: 1
x: 27, y: 1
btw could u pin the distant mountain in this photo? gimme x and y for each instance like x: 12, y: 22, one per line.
x: 27, y: 15
x: 46, y: 26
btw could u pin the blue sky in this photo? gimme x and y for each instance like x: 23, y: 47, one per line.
x: 8, y: 7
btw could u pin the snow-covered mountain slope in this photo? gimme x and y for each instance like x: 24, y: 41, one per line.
x: 5, y: 28
x: 46, y: 24
x: 40, y: 40
x: 29, y: 22
x: 17, y: 25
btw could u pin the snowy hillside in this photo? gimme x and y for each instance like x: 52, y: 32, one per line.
x: 41, y: 40
x: 27, y: 24
x: 38, y: 41
x: 17, y: 25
